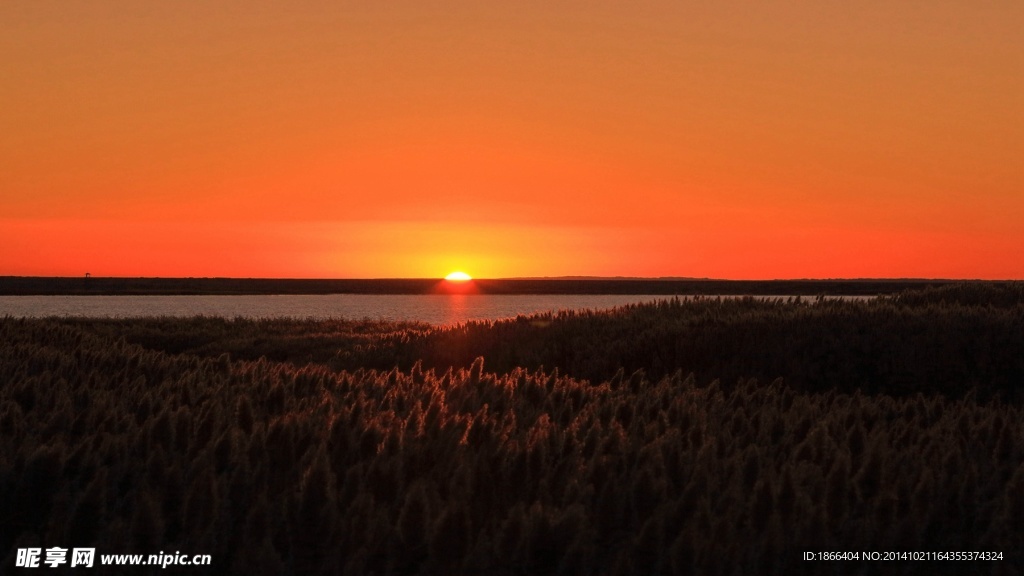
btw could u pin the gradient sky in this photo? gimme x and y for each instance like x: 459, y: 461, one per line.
x: 808, y: 139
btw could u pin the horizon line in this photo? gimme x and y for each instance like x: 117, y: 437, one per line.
x: 528, y: 278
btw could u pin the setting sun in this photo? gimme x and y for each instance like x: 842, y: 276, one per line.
x: 395, y: 140
x: 747, y: 288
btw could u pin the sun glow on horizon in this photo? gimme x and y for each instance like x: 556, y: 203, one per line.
x: 398, y: 140
x: 458, y: 276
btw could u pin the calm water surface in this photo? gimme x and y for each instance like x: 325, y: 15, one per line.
x: 436, y: 309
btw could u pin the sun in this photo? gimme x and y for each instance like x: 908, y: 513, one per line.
x: 458, y: 276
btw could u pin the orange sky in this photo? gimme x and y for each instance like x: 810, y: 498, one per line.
x: 409, y: 139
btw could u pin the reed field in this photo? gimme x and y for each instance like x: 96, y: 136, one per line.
x: 706, y: 436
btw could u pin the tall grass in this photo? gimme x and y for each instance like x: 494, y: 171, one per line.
x: 945, y: 340
x: 279, y: 468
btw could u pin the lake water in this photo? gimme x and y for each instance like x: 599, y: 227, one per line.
x: 435, y: 309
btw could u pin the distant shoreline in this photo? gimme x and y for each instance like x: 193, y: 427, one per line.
x: 81, y: 286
